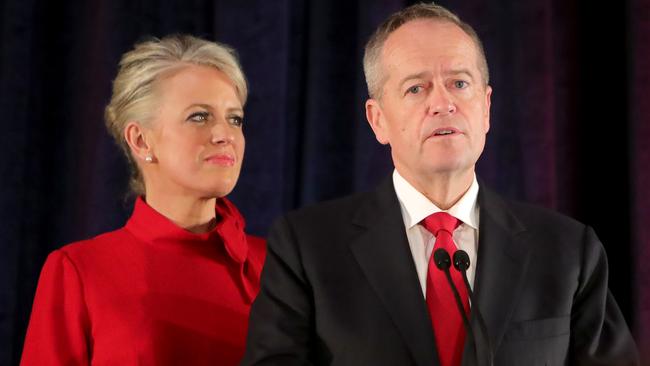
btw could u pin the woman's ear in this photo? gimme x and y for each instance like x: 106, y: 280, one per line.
x: 138, y: 142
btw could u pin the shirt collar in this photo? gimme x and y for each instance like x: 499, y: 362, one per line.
x: 416, y: 207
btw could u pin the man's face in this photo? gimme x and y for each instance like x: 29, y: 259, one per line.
x: 434, y: 110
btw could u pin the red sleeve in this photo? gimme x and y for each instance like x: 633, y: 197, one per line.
x: 58, y: 332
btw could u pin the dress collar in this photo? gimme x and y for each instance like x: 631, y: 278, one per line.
x: 150, y: 226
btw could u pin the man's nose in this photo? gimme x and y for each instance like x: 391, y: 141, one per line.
x: 441, y: 102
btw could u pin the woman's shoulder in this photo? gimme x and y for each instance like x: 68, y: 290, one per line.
x: 96, y: 247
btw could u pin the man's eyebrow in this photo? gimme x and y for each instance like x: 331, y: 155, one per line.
x: 425, y: 74
x: 459, y: 72
x: 416, y: 76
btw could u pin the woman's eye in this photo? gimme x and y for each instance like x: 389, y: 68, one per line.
x: 199, y: 117
x: 414, y: 89
x: 460, y: 84
x: 236, y: 120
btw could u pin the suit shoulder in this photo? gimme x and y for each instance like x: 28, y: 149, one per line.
x: 537, y: 216
x: 547, y: 233
x: 554, y: 229
x: 336, y: 210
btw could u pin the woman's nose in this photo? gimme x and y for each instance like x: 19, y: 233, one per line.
x: 221, y: 134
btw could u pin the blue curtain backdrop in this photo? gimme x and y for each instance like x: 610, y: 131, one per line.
x: 570, y: 119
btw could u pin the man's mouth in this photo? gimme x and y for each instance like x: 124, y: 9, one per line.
x: 445, y: 131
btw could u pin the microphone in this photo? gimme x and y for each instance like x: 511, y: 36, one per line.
x: 461, y: 263
x: 443, y: 262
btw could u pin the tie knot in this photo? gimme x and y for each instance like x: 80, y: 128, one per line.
x: 440, y: 221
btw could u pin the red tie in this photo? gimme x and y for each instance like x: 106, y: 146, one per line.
x: 445, y: 317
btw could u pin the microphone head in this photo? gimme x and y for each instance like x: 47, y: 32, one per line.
x: 461, y: 260
x: 441, y: 258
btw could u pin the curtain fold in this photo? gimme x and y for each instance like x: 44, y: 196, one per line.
x: 639, y: 135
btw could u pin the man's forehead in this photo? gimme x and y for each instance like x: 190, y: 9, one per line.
x: 421, y: 44
x: 429, y: 34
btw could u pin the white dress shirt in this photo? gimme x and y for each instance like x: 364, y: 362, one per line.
x: 416, y: 207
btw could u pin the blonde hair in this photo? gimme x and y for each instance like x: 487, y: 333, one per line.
x: 134, y: 87
x: 372, y: 69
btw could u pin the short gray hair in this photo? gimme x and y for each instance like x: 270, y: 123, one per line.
x: 134, y: 87
x: 372, y: 69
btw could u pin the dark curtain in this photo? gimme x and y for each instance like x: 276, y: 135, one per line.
x: 638, y: 135
x: 570, y: 119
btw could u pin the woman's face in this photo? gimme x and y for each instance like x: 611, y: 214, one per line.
x: 195, y: 136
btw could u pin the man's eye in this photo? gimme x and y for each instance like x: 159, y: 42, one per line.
x: 236, y: 120
x: 414, y: 89
x: 199, y: 117
x: 460, y: 84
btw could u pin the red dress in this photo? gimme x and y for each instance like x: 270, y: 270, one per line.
x: 150, y: 293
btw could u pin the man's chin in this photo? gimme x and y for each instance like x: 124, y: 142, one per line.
x: 448, y: 169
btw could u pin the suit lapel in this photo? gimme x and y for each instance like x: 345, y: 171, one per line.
x: 503, y: 256
x: 383, y: 254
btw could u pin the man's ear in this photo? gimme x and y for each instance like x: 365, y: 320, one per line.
x: 375, y: 117
x: 135, y: 137
x: 488, y: 103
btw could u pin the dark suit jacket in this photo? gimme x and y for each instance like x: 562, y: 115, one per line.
x: 339, y: 287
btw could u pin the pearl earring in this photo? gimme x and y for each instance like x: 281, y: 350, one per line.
x: 148, y: 158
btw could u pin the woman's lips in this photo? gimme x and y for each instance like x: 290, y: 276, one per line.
x: 221, y: 159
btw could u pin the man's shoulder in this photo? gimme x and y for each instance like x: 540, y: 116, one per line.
x: 535, y: 217
x: 339, y: 209
x: 542, y: 232
x: 533, y: 213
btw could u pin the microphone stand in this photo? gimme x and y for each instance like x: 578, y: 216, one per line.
x: 443, y: 262
x: 462, y: 263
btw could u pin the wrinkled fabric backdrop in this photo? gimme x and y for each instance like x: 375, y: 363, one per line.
x: 570, y: 119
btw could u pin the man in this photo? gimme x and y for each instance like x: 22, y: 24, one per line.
x: 354, y: 281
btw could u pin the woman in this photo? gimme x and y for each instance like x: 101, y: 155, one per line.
x: 175, y: 284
